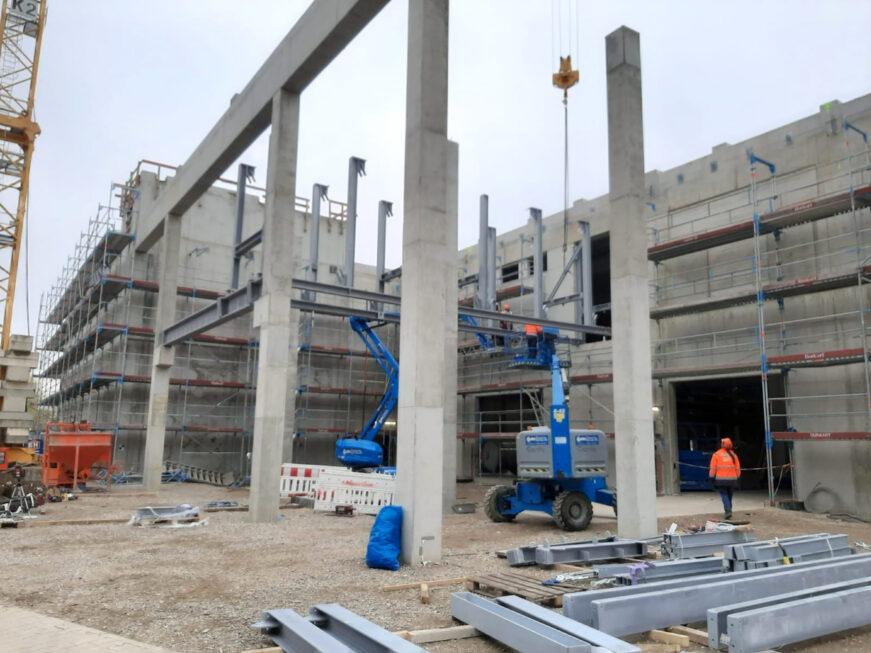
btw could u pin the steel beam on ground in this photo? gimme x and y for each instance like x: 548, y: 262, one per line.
x: 579, y: 605
x: 313, y: 42
x: 525, y: 555
x: 512, y: 629
x: 296, y: 634
x: 797, y: 621
x: 357, y: 633
x: 664, y: 570
x: 566, y: 625
x: 635, y: 614
x: 717, y: 616
x: 567, y: 553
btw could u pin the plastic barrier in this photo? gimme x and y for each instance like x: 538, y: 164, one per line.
x: 299, y: 480
x: 368, y: 493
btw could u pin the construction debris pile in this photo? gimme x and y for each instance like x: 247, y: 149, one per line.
x: 181, y: 516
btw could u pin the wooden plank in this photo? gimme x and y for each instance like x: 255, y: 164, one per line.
x: 441, y: 634
x: 665, y: 637
x: 695, y: 636
x: 659, y: 648
x: 78, y: 522
x: 439, y: 582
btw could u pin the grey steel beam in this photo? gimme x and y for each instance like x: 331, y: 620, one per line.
x: 537, y: 258
x: 356, y: 169
x: 579, y: 605
x: 549, y: 300
x: 663, y: 570
x: 566, y: 625
x: 717, y: 616
x: 585, y: 269
x: 567, y: 553
x: 797, y: 621
x: 245, y: 246
x: 491, y: 269
x: 246, y: 174
x: 385, y: 210
x: 355, y: 632
x: 525, y: 555
x: 483, y: 258
x: 320, y: 34
x: 241, y: 301
x: 511, y: 628
x: 230, y: 306
x: 319, y: 192
x: 296, y: 634
x: 659, y: 609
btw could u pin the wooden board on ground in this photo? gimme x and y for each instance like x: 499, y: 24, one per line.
x: 665, y: 637
x: 78, y: 522
x: 695, y: 636
x: 531, y: 589
x: 438, y: 582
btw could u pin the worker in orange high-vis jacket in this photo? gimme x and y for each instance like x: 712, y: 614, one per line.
x: 532, y: 331
x: 725, y: 472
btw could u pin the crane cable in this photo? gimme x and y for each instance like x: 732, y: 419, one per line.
x: 564, y: 79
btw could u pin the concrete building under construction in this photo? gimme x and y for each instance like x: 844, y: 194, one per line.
x: 757, y: 266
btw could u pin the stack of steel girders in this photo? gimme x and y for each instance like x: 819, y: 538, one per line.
x: 699, y: 545
x: 547, y: 555
x: 802, y: 548
x: 524, y: 556
x: 330, y: 628
x: 759, y: 608
x: 642, y: 572
x: 529, y: 628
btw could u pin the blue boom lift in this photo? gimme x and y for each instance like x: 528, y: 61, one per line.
x: 561, y: 470
x: 363, y: 452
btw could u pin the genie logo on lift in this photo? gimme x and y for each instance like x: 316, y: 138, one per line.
x: 537, y: 440
x: 559, y: 414
x: 586, y: 440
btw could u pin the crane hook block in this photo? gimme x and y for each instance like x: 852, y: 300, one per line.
x: 565, y: 78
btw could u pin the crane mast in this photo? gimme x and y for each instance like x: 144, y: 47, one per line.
x: 21, y: 28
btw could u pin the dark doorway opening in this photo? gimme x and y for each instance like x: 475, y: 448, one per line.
x: 718, y: 408
x: 601, y: 249
x: 502, y: 417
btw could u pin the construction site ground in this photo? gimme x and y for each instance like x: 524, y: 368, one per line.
x: 199, y: 589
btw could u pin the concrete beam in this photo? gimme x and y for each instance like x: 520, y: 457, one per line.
x: 630, y: 303
x: 313, y: 42
x: 449, y: 430
x: 277, y: 322
x: 162, y: 357
x: 429, y: 233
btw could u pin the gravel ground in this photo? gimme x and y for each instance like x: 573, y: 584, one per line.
x: 199, y: 589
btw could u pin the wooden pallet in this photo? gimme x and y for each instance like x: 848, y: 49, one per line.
x: 526, y: 587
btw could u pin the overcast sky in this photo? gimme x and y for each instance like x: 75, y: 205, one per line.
x: 122, y: 80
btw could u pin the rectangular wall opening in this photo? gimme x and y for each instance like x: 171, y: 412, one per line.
x: 712, y: 409
x: 501, y: 418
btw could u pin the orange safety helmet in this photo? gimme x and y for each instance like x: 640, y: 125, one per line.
x: 726, y: 443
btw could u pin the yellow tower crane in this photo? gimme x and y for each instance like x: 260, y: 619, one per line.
x: 21, y: 27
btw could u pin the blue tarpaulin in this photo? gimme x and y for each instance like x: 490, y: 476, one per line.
x: 385, y: 539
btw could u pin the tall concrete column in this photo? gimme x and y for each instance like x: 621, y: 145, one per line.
x: 483, y: 258
x: 163, y: 357
x: 630, y: 309
x: 274, y: 319
x: 428, y: 249
x: 537, y: 262
x: 449, y: 467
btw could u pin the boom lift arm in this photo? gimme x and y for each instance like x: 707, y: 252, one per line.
x: 363, y: 451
